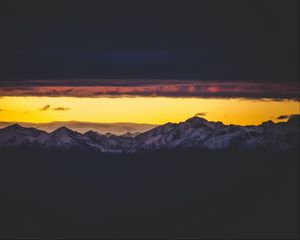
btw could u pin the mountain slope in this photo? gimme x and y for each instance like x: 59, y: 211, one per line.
x: 194, y: 133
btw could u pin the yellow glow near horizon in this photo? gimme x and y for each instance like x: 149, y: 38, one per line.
x: 155, y: 110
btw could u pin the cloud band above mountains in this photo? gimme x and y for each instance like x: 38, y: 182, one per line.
x: 154, y: 88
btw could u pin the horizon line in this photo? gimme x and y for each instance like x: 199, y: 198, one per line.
x: 152, y: 124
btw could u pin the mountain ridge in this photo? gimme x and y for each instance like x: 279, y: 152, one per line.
x: 117, y: 128
x: 194, y: 133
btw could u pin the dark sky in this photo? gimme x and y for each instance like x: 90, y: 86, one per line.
x: 201, y: 40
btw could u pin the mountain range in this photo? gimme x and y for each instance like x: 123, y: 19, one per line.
x: 117, y: 128
x: 194, y: 133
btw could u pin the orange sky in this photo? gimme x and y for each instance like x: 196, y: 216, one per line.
x: 154, y: 110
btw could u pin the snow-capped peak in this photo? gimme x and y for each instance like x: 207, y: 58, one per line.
x: 196, y: 121
x: 194, y: 133
x: 62, y: 130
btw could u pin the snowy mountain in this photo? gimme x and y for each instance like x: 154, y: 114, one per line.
x: 16, y: 135
x: 194, y: 133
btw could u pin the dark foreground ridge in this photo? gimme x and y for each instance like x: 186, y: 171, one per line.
x: 195, y: 133
x: 171, y: 194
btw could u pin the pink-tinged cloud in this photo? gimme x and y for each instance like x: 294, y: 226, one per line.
x: 213, y: 89
x: 153, y: 88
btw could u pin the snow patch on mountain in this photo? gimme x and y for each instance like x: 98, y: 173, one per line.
x: 194, y: 133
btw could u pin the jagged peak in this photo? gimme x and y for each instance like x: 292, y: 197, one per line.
x: 14, y: 126
x: 17, y: 128
x: 196, y: 121
x: 268, y: 123
x: 109, y: 134
x: 62, y: 130
x: 126, y: 134
x: 92, y: 133
x: 165, y: 125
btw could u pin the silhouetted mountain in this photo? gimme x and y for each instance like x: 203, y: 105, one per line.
x: 82, y: 127
x: 194, y: 133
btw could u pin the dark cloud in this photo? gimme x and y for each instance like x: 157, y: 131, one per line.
x: 60, y: 109
x: 201, y: 114
x: 47, y: 107
x: 292, y: 116
x: 282, y: 117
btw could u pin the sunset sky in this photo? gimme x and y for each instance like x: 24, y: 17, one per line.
x: 238, y: 67
x: 151, y: 102
x: 143, y: 110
